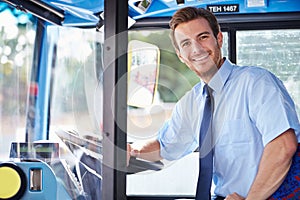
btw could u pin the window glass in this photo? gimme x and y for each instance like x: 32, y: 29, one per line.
x: 76, y: 109
x: 17, y: 33
x: 76, y: 87
x: 276, y: 50
x: 175, y: 79
x: 225, y: 45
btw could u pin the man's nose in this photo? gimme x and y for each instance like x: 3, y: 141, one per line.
x: 197, y: 47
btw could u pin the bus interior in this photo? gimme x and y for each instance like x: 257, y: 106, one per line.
x: 79, y: 79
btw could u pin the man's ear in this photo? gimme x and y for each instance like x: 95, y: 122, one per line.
x: 179, y: 56
x: 220, y: 39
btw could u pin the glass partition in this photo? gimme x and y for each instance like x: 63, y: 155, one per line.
x: 76, y: 110
x: 178, y: 178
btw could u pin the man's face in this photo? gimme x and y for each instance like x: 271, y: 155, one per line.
x: 198, y: 48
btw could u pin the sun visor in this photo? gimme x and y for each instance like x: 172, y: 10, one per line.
x: 80, y: 13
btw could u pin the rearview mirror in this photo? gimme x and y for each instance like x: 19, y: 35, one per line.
x: 143, y: 68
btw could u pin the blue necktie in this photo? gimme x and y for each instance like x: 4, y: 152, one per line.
x: 205, y: 151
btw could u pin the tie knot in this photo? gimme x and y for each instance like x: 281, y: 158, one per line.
x: 207, y: 91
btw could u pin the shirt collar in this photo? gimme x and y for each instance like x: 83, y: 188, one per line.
x: 219, y: 79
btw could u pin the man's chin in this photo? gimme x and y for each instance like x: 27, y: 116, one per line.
x: 206, y: 75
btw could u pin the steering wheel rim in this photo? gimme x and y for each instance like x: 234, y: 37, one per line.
x: 138, y: 165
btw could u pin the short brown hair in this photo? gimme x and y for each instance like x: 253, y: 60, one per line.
x: 188, y: 14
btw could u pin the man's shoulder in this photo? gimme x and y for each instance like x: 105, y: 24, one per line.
x: 253, y: 75
x: 237, y: 70
x: 250, y: 69
x: 253, y: 72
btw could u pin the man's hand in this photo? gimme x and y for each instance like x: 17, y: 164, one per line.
x: 234, y: 196
x: 128, y: 153
x: 131, y: 152
x: 149, y: 150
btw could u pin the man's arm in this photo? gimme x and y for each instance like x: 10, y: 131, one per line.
x: 149, y: 150
x: 273, y: 168
x: 274, y: 165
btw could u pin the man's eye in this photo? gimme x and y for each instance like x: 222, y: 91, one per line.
x: 203, y: 37
x: 185, y: 44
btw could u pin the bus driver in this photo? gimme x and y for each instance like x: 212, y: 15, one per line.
x: 254, y: 126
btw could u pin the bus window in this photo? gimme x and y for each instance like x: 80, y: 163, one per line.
x: 225, y: 45
x: 76, y: 94
x: 276, y: 50
x: 17, y: 33
x: 175, y: 79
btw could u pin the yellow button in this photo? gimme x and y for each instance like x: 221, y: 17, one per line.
x: 10, y: 182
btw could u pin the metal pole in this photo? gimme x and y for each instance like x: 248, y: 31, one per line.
x: 115, y: 99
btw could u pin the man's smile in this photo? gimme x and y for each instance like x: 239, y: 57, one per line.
x: 200, y: 58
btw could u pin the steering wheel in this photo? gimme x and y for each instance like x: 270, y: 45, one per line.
x: 138, y: 165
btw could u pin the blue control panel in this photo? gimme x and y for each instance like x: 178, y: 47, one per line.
x: 33, y: 180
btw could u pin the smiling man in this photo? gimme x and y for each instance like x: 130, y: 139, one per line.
x: 254, y: 130
x: 199, y: 48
